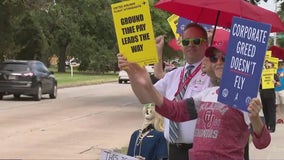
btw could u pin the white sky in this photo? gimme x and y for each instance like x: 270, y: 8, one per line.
x: 270, y: 5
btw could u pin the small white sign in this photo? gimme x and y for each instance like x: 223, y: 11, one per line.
x: 110, y: 155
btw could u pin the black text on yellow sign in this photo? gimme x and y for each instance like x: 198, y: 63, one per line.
x: 134, y: 31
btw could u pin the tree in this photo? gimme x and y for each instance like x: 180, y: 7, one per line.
x: 38, y: 29
x: 11, y: 13
x: 59, y: 27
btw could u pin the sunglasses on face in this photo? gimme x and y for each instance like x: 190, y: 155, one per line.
x: 214, y: 58
x: 195, y: 41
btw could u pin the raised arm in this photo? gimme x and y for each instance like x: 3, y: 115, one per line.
x: 158, y: 67
x: 180, y: 111
x: 146, y: 93
x: 261, y: 136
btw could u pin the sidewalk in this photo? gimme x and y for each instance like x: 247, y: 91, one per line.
x: 274, y: 151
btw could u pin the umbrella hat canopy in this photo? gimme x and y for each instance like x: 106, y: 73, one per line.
x: 277, y: 52
x: 220, y: 42
x: 174, y: 45
x: 220, y: 12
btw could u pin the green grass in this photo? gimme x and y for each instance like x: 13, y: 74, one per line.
x: 79, y: 79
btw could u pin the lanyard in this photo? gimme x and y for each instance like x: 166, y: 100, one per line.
x: 185, y: 83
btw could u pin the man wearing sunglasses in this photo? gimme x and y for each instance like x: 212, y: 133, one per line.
x: 194, y: 41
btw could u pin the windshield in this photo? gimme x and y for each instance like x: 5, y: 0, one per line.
x: 14, y: 67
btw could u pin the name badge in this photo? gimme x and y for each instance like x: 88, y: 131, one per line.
x: 199, y: 82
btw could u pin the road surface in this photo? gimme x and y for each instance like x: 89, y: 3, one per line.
x: 77, y: 125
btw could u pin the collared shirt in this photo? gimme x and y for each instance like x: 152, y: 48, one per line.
x: 168, y: 86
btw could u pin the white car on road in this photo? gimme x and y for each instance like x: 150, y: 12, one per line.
x: 123, y: 76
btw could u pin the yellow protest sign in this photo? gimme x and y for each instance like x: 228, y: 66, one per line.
x: 271, y: 63
x: 274, y: 60
x: 267, y: 79
x: 134, y: 31
x: 269, y: 70
x: 173, y: 22
x: 268, y: 54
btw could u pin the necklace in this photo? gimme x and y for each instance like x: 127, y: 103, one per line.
x: 138, y: 142
x: 141, y: 137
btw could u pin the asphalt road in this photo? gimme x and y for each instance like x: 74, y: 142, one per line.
x: 77, y: 125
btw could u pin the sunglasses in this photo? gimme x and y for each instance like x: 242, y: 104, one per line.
x: 214, y: 59
x: 195, y: 41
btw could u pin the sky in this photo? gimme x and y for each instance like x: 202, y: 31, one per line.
x: 270, y: 5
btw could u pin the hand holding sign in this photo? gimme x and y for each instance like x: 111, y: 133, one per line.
x: 244, y: 62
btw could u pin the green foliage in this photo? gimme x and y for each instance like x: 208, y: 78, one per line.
x: 11, y: 14
x: 38, y: 29
x: 84, y: 29
x: 30, y: 39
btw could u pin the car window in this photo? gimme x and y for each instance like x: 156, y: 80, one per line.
x: 14, y: 67
x: 44, y: 67
x: 41, y: 67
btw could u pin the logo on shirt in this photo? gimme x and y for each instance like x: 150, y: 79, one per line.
x: 209, y: 117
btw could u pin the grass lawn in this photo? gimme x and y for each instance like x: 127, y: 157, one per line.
x: 78, y: 79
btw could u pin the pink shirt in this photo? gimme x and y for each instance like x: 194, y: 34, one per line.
x: 221, y: 131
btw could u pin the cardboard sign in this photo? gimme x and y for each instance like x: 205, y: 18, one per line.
x: 244, y: 62
x: 173, y: 21
x: 267, y: 79
x: 269, y: 70
x: 110, y: 155
x: 134, y: 31
x: 268, y: 54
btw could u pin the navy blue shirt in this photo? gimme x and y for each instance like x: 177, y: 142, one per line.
x: 152, y: 146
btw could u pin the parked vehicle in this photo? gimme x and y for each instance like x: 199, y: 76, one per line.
x: 32, y: 78
x: 123, y: 76
x: 150, y: 69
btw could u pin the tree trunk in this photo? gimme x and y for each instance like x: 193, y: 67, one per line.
x: 61, y: 59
